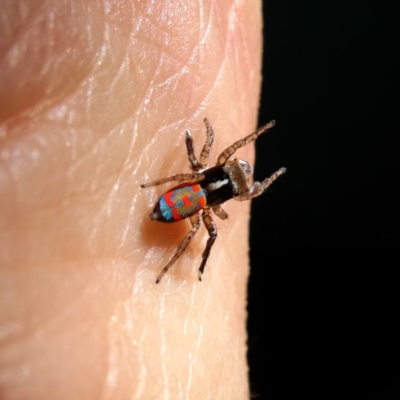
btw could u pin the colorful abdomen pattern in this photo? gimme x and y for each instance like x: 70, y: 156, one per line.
x: 182, y: 201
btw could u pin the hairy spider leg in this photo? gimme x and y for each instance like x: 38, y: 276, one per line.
x: 243, y: 142
x: 266, y: 182
x: 212, y: 231
x: 181, y: 178
x: 205, y: 152
x: 195, y: 165
x: 195, y: 221
x: 259, y: 187
x: 219, y: 212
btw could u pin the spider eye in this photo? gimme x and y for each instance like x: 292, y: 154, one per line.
x: 246, y: 167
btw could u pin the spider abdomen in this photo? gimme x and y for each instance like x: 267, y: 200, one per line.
x: 179, y: 203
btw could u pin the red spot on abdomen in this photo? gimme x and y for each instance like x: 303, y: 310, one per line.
x: 176, y: 216
x: 196, y: 188
x: 168, y: 199
x: 202, y: 201
x: 186, y: 200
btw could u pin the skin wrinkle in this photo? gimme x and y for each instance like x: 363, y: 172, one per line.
x: 185, y: 66
x: 48, y: 325
x: 220, y: 70
x: 201, y: 330
x: 25, y: 25
x: 244, y: 55
x: 120, y: 72
x: 19, y: 199
x: 142, y: 376
x: 202, y: 17
x: 241, y: 96
x: 65, y: 90
x: 158, y: 27
x: 113, y: 60
x: 90, y: 108
x: 127, y: 227
x: 170, y: 77
x: 109, y: 34
x: 94, y: 152
x: 164, y: 367
x: 47, y: 322
x: 109, y: 196
x: 11, y: 189
x: 112, y: 370
x: 149, y: 40
x: 189, y: 309
x: 141, y: 107
x: 122, y: 37
x: 151, y: 88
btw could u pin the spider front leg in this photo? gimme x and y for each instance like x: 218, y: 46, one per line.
x: 243, y: 142
x: 195, y: 165
x: 259, y: 187
x: 205, y: 153
x: 212, y: 231
x: 195, y: 221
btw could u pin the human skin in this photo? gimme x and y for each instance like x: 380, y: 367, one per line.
x: 95, y: 99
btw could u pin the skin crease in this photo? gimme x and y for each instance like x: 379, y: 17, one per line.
x: 95, y: 99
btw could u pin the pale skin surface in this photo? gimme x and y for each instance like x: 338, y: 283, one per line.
x: 95, y: 99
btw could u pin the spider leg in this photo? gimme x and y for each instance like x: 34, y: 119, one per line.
x: 212, y: 231
x: 219, y: 212
x: 259, y: 187
x: 194, y: 164
x: 243, y: 142
x: 195, y: 221
x: 195, y: 177
x: 205, y: 152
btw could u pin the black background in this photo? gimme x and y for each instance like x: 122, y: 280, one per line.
x: 323, y: 291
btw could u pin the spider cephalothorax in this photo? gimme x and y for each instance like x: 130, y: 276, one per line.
x: 207, y: 188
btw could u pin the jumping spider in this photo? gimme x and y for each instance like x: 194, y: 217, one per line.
x: 207, y: 188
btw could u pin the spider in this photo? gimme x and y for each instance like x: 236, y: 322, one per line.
x: 205, y: 189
